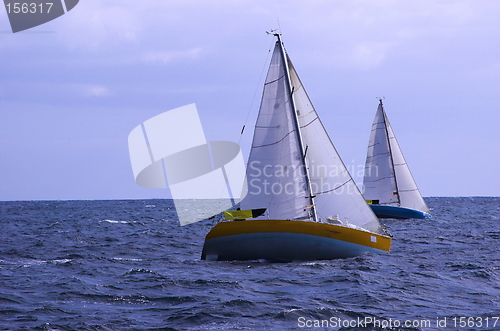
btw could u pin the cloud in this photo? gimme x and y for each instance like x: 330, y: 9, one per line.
x: 97, y: 25
x: 95, y: 90
x: 166, y: 57
x: 366, y: 55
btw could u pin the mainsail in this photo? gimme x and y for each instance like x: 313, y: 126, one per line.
x: 294, y: 169
x: 387, y: 176
x: 275, y: 169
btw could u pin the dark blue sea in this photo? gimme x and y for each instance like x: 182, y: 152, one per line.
x: 128, y: 265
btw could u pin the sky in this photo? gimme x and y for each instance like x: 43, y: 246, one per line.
x: 71, y: 90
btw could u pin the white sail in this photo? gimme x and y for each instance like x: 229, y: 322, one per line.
x: 335, y: 192
x: 291, y: 186
x: 379, y: 180
x: 409, y: 195
x: 275, y: 172
x: 302, y: 203
x: 387, y: 176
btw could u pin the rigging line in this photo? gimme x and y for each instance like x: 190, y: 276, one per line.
x: 279, y: 26
x: 256, y: 90
x: 226, y: 188
x: 229, y: 171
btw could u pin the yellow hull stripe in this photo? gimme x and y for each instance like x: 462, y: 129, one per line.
x: 301, y: 227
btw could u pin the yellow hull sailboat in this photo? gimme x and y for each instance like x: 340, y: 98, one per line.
x: 302, y: 203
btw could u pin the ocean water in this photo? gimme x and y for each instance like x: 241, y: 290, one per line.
x: 128, y: 265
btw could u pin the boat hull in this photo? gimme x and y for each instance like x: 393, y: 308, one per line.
x: 397, y: 212
x: 280, y: 240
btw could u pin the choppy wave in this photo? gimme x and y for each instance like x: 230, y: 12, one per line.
x: 128, y: 265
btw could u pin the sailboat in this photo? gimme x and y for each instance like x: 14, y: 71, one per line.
x: 388, y: 184
x: 302, y: 203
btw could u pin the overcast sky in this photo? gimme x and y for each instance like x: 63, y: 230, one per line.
x: 71, y: 90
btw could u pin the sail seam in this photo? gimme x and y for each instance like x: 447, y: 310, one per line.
x: 277, y: 142
x: 309, y: 123
x: 266, y: 127
x: 372, y: 156
x: 273, y: 81
x: 373, y: 181
x: 377, y: 128
x: 333, y: 189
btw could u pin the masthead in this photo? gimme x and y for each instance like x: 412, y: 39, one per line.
x: 275, y: 33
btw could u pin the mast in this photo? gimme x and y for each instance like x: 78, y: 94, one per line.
x: 390, y: 151
x: 297, y: 128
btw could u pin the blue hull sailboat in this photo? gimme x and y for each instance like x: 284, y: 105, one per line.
x: 389, y: 187
x: 309, y: 206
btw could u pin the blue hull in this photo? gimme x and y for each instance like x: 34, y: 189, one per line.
x: 397, y: 212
